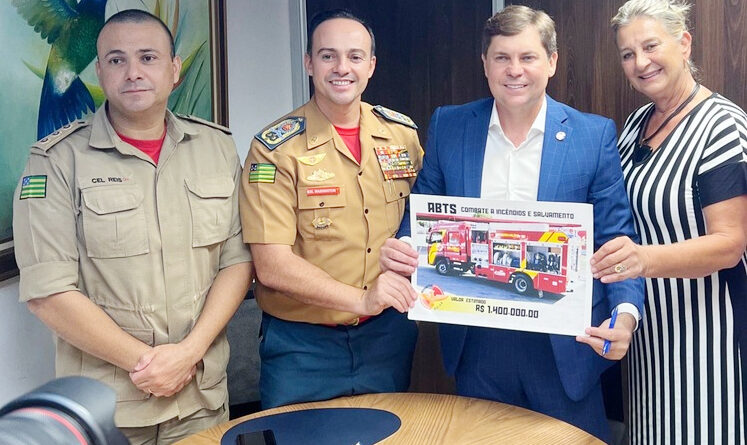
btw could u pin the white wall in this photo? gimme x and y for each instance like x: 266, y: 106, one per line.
x: 260, y: 90
x: 259, y: 66
x: 26, y: 346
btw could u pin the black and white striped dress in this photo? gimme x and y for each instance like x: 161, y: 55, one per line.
x: 687, y: 377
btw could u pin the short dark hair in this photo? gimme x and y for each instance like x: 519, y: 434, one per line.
x: 330, y: 14
x: 513, y: 20
x: 140, y: 16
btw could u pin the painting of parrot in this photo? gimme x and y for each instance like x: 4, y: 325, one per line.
x: 71, y: 29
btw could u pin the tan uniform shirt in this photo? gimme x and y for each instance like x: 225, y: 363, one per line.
x: 142, y: 241
x: 333, y: 211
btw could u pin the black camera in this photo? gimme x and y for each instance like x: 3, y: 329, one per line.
x: 68, y: 410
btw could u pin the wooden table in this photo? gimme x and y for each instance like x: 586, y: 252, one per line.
x: 438, y: 419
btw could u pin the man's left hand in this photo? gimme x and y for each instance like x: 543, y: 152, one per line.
x: 398, y: 256
x: 619, y: 336
x: 164, y: 370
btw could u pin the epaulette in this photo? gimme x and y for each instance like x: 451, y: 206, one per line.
x: 274, y: 135
x: 394, y: 116
x: 202, y: 121
x: 66, y: 130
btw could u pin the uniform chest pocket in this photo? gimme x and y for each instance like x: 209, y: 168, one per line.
x: 212, y: 209
x: 114, y: 223
x: 320, y: 211
x: 396, y: 192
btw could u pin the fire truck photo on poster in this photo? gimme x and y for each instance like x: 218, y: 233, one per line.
x: 521, y: 265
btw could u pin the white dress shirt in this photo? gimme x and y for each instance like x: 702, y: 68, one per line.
x: 512, y: 173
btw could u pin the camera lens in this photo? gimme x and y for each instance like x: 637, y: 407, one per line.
x: 65, y: 411
x: 41, y: 426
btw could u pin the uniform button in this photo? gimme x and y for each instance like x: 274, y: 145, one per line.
x: 321, y: 204
x: 360, y: 173
x: 365, y: 287
x: 400, y: 194
x: 365, y: 211
x: 368, y: 250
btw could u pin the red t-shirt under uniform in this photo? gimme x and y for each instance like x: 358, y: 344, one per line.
x: 351, y: 137
x: 152, y: 148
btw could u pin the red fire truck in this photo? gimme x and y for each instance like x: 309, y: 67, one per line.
x: 526, y: 255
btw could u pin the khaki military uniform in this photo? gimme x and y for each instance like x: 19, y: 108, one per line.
x: 143, y: 242
x: 333, y: 211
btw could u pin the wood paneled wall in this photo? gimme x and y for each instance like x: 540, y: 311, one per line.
x: 589, y: 76
x: 719, y: 29
x: 428, y: 52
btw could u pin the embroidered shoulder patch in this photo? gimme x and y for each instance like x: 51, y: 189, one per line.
x: 66, y: 130
x: 34, y: 186
x: 394, y: 116
x: 275, y: 135
x: 262, y: 173
x: 202, y: 121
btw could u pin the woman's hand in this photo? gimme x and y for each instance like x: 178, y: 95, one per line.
x: 619, y: 259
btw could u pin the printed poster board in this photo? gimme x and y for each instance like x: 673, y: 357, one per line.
x: 503, y: 264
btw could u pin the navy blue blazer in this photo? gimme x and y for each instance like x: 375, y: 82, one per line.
x: 583, y: 167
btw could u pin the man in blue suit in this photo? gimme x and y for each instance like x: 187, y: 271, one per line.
x: 523, y: 145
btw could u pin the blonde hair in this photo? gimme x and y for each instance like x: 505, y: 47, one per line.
x: 672, y: 14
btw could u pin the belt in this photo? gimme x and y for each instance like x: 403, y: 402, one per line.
x: 354, y: 322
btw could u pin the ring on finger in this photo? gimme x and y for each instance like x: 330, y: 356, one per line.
x: 620, y: 268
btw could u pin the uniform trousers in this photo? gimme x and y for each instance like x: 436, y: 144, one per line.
x: 303, y: 362
x: 519, y: 368
x: 173, y: 430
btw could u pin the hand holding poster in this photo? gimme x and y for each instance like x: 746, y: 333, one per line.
x: 503, y: 264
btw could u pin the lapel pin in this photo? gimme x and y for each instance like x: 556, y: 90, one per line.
x: 560, y: 135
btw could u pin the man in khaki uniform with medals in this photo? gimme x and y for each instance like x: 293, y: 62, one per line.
x: 323, y: 187
x: 128, y: 241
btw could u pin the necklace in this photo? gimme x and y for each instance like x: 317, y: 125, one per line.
x: 642, y: 150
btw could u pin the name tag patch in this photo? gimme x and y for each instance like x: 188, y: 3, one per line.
x: 322, y: 191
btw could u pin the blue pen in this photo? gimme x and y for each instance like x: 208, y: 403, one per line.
x: 606, y: 346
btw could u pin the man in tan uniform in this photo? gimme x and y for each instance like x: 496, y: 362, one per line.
x: 129, y: 242
x: 323, y: 187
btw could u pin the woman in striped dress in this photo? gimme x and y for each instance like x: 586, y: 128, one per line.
x: 684, y: 159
